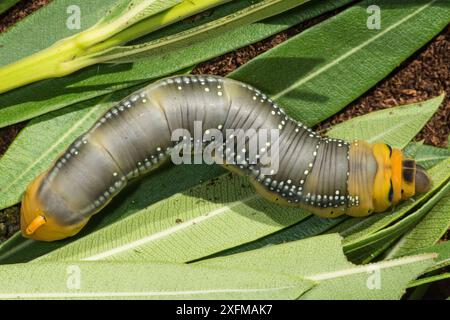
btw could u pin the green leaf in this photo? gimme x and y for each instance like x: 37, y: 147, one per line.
x: 430, y: 279
x: 21, y: 104
x: 321, y: 260
x: 427, y: 232
x: 162, y: 281
x: 443, y: 259
x: 328, y: 66
x: 363, y: 248
x: 18, y: 249
x: 425, y: 155
x: 125, y: 13
x: 256, y: 12
x: 440, y: 174
x: 395, y: 126
x: 230, y: 240
x: 6, y: 4
x: 311, y: 226
x: 383, y: 280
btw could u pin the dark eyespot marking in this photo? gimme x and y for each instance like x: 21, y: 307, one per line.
x: 408, y: 175
x: 408, y: 164
x: 391, y: 192
x: 390, y: 150
x: 408, y: 170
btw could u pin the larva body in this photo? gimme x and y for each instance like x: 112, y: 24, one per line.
x: 328, y: 177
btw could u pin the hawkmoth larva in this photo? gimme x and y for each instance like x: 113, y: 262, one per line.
x: 328, y: 177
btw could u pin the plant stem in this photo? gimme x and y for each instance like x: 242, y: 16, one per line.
x: 53, y: 61
x: 158, y: 21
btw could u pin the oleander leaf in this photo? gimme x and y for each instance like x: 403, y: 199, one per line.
x: 395, y: 126
x: 321, y: 260
x: 429, y: 279
x: 368, y: 246
x: 427, y: 232
x: 443, y: 259
x: 125, y: 13
x: 385, y: 280
x: 93, y: 280
x: 440, y: 176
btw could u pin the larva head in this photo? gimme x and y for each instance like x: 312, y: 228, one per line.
x: 396, y: 178
x: 38, y: 222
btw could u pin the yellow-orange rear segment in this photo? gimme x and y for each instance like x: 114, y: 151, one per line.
x: 394, y: 179
x: 36, y: 223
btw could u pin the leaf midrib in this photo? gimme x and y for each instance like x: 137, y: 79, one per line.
x: 137, y: 294
x: 367, y: 268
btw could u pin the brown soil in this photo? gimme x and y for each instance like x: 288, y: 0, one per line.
x: 423, y: 76
x: 19, y: 11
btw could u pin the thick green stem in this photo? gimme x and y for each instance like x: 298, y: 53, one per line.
x: 39, y: 66
x: 55, y: 60
x: 158, y: 21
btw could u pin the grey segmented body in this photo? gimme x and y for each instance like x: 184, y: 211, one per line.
x: 134, y: 138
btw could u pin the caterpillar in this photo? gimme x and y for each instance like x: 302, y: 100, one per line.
x: 328, y: 177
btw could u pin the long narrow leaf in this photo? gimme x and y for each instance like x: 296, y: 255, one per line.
x: 443, y: 259
x: 427, y: 232
x: 364, y: 246
x: 321, y: 259
x: 395, y: 126
x: 88, y: 280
